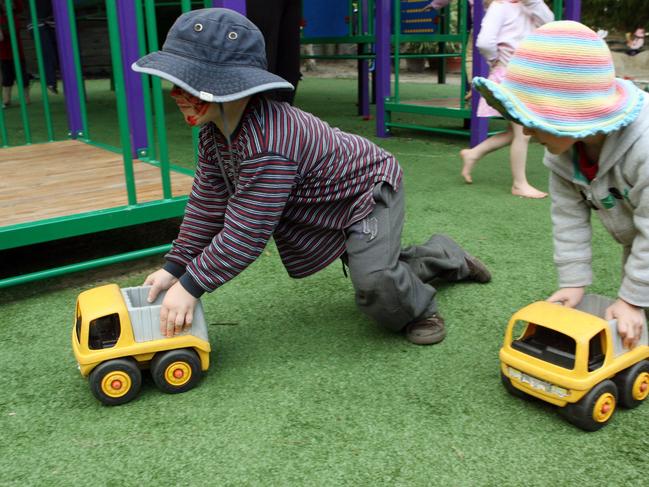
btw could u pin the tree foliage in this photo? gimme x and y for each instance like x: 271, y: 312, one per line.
x: 615, y: 15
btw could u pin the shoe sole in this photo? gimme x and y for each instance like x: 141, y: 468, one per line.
x: 427, y: 340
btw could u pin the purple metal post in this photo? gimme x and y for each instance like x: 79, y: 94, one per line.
x: 479, y: 125
x: 382, y: 63
x: 572, y: 10
x: 66, y: 64
x: 363, y: 68
x: 132, y: 80
x: 237, y: 5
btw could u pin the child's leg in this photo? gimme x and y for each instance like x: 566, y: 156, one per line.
x: 386, y: 288
x: 443, y: 258
x: 8, y: 77
x: 6, y: 96
x: 470, y: 157
x: 518, y: 160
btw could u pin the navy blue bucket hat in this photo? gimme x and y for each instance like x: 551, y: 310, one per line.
x: 216, y: 55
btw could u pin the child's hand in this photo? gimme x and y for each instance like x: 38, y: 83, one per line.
x: 568, y: 296
x: 436, y: 5
x: 160, y: 280
x: 629, y: 321
x: 177, y: 310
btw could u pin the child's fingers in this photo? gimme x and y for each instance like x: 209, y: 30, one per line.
x: 156, y: 287
x: 630, y: 333
x: 179, y: 322
x: 164, y: 312
x: 634, y: 336
x: 189, y: 317
x: 170, y: 323
x: 626, y: 332
x: 153, y: 293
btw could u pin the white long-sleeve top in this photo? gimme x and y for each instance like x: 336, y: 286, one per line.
x: 506, y: 23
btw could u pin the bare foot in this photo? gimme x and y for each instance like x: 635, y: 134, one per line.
x: 467, y: 165
x: 527, y: 191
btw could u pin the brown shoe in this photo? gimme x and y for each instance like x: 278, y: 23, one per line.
x: 426, y: 331
x: 478, y: 272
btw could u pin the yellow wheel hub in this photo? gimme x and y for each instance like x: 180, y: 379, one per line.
x: 116, y: 383
x: 604, y: 407
x: 178, y: 373
x: 641, y: 386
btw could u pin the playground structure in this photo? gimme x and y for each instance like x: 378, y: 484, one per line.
x: 382, y: 27
x: 344, y: 22
x: 91, y: 187
x: 84, y: 186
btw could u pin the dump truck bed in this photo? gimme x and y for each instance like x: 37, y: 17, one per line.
x: 145, y: 316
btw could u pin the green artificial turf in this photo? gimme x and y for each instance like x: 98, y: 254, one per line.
x: 303, y: 389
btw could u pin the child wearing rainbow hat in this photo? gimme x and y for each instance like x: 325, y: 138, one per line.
x: 560, y: 85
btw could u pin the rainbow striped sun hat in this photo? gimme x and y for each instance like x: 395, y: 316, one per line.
x: 561, y: 80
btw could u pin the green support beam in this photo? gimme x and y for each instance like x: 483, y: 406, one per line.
x: 89, y: 264
x: 84, y: 223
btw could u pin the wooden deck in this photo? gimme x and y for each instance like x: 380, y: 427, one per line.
x: 64, y: 178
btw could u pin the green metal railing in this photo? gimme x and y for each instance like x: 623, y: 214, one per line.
x: 155, y: 154
x: 18, y: 66
x: 150, y: 152
x: 355, y: 35
x: 120, y: 93
x: 449, y: 32
x: 395, y: 103
x: 158, y: 103
x: 77, y: 69
x: 41, y: 70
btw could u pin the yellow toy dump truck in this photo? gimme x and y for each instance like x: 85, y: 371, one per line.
x: 117, y: 333
x: 574, y: 359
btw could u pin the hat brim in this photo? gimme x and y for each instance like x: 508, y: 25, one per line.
x: 513, y: 109
x: 210, y: 82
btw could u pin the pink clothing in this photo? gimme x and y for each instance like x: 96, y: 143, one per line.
x: 505, y: 25
x: 496, y: 75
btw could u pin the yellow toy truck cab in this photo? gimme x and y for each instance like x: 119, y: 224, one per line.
x: 117, y: 332
x: 574, y: 359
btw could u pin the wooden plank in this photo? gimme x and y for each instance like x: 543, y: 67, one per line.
x: 65, y: 178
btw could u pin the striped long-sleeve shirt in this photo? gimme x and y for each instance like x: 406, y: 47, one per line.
x: 294, y: 178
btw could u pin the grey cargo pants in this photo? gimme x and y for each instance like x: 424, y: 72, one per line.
x: 391, y: 283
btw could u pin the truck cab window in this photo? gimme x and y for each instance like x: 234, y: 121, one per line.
x: 596, y: 349
x: 548, y: 345
x: 104, y: 332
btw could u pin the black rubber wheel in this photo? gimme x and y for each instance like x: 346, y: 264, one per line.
x: 176, y: 370
x: 633, y: 384
x: 595, y: 409
x: 115, y: 381
x: 511, y: 389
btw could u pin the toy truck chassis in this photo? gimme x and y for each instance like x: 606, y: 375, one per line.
x: 116, y: 334
x: 574, y: 359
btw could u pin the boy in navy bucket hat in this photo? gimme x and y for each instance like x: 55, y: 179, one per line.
x: 267, y: 169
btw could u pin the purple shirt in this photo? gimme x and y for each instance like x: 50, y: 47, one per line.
x: 294, y: 177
